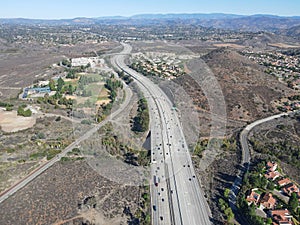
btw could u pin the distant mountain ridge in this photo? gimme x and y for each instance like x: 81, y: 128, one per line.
x: 186, y: 16
x: 259, y: 22
x: 292, y: 32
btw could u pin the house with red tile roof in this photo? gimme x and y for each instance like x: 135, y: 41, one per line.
x: 282, y: 217
x: 253, y: 197
x: 271, y: 166
x: 272, y: 175
x: 268, y: 201
x: 290, y: 188
x: 284, y: 181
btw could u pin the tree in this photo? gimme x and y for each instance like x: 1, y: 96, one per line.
x: 222, y: 204
x: 8, y: 108
x: 60, y: 84
x: 228, y: 212
x: 41, y: 135
x: 226, y: 193
x: 141, y: 121
x: 52, y: 85
x: 70, y: 89
x: 71, y: 74
x: 269, y: 220
x: 22, y: 112
x: 66, y: 62
x: 113, y: 95
x: 57, y: 95
x: 293, y: 201
x: 270, y: 186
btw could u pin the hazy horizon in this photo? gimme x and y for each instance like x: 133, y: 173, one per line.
x: 170, y: 13
x: 68, y: 9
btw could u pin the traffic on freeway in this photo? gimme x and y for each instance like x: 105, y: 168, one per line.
x: 176, y: 196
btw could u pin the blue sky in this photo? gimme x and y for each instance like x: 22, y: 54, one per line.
x: 57, y: 9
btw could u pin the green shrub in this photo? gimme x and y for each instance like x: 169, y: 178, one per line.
x: 22, y: 112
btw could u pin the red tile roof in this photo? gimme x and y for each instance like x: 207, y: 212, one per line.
x: 282, y: 216
x: 272, y: 166
x: 272, y: 175
x: 290, y: 188
x: 253, y: 197
x: 268, y: 201
x: 284, y: 181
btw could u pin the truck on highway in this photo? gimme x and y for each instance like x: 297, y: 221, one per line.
x: 156, y: 180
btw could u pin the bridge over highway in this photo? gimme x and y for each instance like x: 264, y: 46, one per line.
x: 176, y: 196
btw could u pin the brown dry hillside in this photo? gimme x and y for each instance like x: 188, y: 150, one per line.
x: 248, y: 91
x: 22, y: 65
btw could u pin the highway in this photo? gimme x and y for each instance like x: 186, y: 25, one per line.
x: 38, y: 171
x: 176, y: 196
x: 246, y: 157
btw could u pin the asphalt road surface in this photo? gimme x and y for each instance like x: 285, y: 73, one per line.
x: 176, y: 196
x: 57, y: 158
x: 246, y: 158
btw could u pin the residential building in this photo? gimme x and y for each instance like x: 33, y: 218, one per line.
x: 37, y: 90
x: 290, y: 188
x: 43, y: 83
x: 271, y: 166
x: 281, y: 217
x: 268, y: 201
x: 272, y: 175
x: 253, y: 197
x: 284, y: 181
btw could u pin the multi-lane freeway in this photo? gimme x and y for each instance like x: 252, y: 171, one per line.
x: 176, y: 196
x: 50, y: 163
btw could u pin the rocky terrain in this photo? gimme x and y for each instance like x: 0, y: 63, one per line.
x: 22, y: 64
x: 279, y: 140
x: 68, y: 193
x: 249, y: 93
x: 71, y: 192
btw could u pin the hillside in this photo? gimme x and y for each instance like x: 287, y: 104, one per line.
x: 249, y: 93
x: 264, y: 40
x: 291, y: 32
x: 254, y: 23
x: 215, y: 20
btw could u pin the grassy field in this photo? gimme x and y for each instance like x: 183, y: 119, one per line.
x: 95, y: 91
x: 98, y: 93
x: 97, y: 77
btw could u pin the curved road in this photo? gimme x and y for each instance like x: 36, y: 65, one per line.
x: 246, y: 157
x: 50, y: 163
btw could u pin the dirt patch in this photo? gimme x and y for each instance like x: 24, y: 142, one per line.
x: 92, y: 215
x: 220, y: 175
x: 70, y: 97
x: 11, y: 122
x: 104, y: 94
x: 283, y: 45
x: 103, y: 102
x: 248, y: 92
x: 11, y: 172
x: 230, y: 45
x: 21, y: 151
x: 62, y: 194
